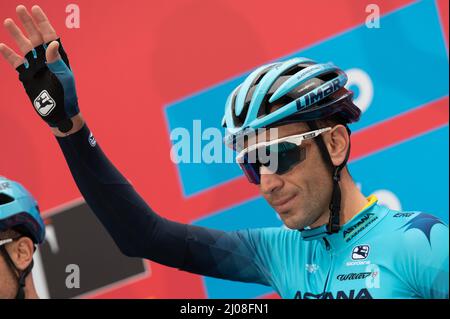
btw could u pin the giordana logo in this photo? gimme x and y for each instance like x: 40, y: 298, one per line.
x: 360, y: 252
x: 44, y: 103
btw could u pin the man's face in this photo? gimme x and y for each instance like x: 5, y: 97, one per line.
x: 8, y: 284
x: 302, y: 195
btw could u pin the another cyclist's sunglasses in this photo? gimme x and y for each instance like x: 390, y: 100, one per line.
x: 279, y: 155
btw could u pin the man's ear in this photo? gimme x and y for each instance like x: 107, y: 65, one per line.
x: 21, y: 252
x: 337, y: 141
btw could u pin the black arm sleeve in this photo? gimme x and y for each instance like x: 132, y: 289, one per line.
x: 139, y: 232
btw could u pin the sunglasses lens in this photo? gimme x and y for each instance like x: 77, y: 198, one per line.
x: 251, y: 171
x: 279, y: 158
x: 287, y: 155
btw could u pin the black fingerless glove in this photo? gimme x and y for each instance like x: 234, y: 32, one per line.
x: 50, y: 87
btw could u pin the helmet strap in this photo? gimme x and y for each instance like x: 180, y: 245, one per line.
x: 20, y: 275
x: 333, y: 225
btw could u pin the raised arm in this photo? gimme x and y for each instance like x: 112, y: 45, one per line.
x: 135, y: 227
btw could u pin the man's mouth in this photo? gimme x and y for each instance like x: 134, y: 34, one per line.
x: 283, y: 202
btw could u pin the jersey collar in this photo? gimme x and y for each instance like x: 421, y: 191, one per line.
x: 365, y: 219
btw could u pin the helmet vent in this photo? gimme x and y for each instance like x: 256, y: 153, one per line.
x: 241, y: 118
x: 236, y: 119
x: 5, y: 199
x: 260, y: 77
x: 327, y: 76
x: 296, y: 68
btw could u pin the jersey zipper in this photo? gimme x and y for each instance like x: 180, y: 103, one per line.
x: 327, y: 247
x: 327, y: 244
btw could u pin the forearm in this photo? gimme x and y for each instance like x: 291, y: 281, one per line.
x: 119, y: 208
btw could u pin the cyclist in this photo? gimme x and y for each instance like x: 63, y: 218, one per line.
x: 21, y: 228
x: 338, y: 244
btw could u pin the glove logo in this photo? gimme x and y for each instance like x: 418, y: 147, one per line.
x: 44, y: 103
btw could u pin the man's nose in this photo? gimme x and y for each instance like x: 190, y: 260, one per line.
x: 270, y: 182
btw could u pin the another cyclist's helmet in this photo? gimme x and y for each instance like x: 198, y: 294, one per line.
x: 20, y: 211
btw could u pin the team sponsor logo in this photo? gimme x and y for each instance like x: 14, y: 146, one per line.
x: 362, y: 224
x: 352, y: 294
x: 373, y: 281
x: 354, y: 276
x: 4, y: 186
x: 360, y: 252
x: 44, y: 103
x: 358, y: 224
x: 318, y: 94
x: 403, y: 215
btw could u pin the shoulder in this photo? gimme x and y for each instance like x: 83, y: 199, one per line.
x: 419, y: 247
x: 415, y: 231
x: 415, y: 224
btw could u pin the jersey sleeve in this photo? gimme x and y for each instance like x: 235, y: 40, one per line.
x: 139, y: 232
x: 426, y: 256
x: 274, y: 250
x: 234, y: 255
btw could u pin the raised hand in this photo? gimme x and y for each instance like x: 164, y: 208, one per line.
x: 43, y: 68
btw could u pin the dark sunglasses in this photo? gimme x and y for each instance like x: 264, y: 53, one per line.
x: 279, y: 155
